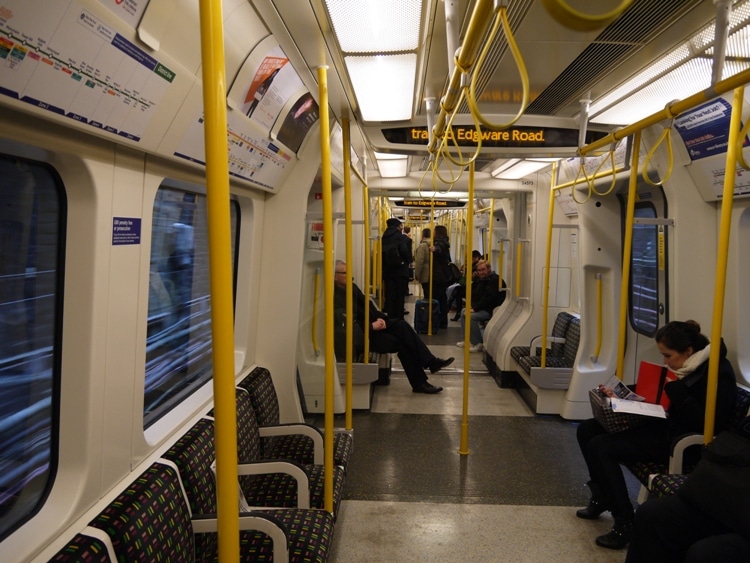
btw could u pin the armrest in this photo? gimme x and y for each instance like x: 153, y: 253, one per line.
x: 678, y: 451
x: 290, y: 468
x: 550, y: 340
x: 266, y: 523
x: 301, y: 429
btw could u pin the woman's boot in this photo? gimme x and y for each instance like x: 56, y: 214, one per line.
x: 596, y: 505
x: 620, y: 534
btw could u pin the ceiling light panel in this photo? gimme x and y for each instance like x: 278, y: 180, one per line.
x: 684, y: 81
x: 376, y: 26
x: 383, y: 85
x: 394, y: 168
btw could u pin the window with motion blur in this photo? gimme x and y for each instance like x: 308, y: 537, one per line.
x: 178, y: 345
x: 32, y: 235
x: 644, y: 273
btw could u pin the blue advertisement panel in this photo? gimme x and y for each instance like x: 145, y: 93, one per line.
x: 705, y: 130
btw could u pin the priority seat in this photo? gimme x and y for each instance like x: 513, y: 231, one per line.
x: 306, y: 446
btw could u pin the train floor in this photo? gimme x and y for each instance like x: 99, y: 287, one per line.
x: 412, y: 496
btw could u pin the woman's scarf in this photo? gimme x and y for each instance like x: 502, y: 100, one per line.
x: 692, y: 363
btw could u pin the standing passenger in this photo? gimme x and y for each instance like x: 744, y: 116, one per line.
x: 422, y: 263
x: 441, y: 249
x: 685, y: 351
x: 396, y: 251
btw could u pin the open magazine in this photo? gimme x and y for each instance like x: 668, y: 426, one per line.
x: 627, y: 401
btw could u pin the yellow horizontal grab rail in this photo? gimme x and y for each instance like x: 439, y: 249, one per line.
x: 672, y: 110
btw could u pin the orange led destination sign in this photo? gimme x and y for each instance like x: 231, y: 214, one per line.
x: 538, y: 137
x: 438, y: 203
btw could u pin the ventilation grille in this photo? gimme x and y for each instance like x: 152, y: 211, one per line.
x: 618, y: 41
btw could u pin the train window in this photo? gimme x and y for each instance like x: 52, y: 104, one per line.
x: 178, y: 345
x: 644, y: 273
x: 32, y: 235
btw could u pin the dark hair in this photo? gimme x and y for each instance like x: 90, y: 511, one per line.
x: 441, y: 231
x: 476, y: 254
x: 679, y: 336
x: 426, y: 233
x: 407, y: 229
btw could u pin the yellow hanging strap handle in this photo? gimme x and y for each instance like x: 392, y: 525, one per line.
x: 501, y: 18
x: 581, y: 21
x: 741, y: 144
x: 665, y: 137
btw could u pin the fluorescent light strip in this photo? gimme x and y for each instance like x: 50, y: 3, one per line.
x: 384, y: 85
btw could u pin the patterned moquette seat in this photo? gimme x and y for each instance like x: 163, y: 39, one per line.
x: 556, y: 349
x: 276, y: 489
x: 150, y: 520
x: 309, y: 531
x: 291, y: 446
x: 83, y: 549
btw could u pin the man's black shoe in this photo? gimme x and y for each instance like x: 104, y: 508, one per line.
x: 427, y: 388
x: 437, y: 364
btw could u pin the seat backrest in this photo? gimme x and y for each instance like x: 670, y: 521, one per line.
x: 150, y: 520
x: 193, y: 454
x: 572, y: 337
x: 83, y: 548
x: 248, y: 435
x: 741, y: 407
x: 559, y: 330
x: 259, y: 384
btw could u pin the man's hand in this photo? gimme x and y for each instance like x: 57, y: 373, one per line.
x: 378, y: 324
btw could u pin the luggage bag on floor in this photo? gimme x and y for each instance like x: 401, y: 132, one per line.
x: 421, y: 316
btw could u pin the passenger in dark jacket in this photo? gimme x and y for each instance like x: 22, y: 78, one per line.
x: 485, y: 296
x: 685, y: 351
x: 389, y: 335
x: 394, y: 243
x: 441, y: 257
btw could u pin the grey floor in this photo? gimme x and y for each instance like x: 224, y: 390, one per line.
x: 426, y: 483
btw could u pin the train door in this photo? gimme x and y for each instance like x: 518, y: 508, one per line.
x: 648, y: 286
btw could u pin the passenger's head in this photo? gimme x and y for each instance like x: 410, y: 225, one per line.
x: 475, y: 255
x: 339, y: 273
x: 426, y: 233
x: 407, y: 230
x: 678, y: 340
x: 483, y: 269
x: 393, y: 222
x: 441, y: 231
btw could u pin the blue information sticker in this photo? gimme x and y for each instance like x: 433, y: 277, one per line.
x: 126, y: 230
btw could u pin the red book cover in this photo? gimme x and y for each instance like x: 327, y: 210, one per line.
x: 651, y: 381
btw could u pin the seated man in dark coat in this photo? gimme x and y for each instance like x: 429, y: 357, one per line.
x: 485, y: 296
x: 391, y: 335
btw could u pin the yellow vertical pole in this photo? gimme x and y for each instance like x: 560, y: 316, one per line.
x: 378, y: 258
x: 519, y: 267
x: 727, y: 201
x: 547, y: 261
x: 349, y: 269
x: 464, y: 445
x: 220, y: 267
x: 626, y: 253
x: 489, y: 237
x: 368, y: 259
x: 325, y: 173
x: 432, y: 261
